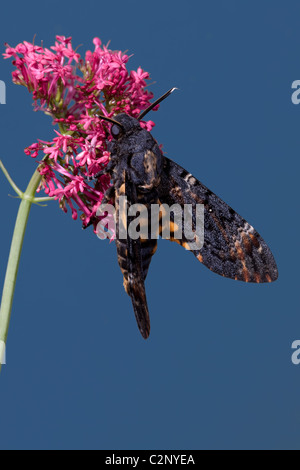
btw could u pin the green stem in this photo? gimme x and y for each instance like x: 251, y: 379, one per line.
x: 14, y: 257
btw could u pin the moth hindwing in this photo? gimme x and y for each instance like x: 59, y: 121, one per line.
x: 143, y: 176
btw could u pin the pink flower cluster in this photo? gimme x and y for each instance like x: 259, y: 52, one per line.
x: 74, y: 92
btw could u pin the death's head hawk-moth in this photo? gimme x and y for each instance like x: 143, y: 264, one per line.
x: 140, y: 172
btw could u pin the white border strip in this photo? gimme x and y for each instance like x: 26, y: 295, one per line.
x: 2, y: 352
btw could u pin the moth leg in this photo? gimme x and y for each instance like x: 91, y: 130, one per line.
x: 110, y: 166
x: 109, y: 195
x: 117, y: 179
x: 87, y: 179
x: 107, y: 170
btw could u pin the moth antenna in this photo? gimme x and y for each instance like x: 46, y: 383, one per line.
x: 143, y: 114
x: 112, y: 121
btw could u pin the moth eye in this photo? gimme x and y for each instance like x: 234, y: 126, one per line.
x: 116, y: 131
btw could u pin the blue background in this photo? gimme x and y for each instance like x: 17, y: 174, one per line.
x: 216, y: 372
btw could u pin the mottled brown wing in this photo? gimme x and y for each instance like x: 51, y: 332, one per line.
x: 232, y: 247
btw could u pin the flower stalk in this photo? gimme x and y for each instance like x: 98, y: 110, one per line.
x: 27, y: 199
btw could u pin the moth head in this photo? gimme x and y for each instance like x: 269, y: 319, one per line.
x: 124, y: 124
